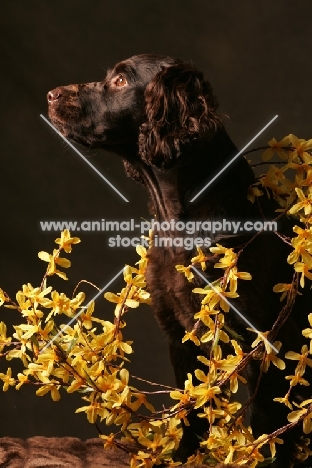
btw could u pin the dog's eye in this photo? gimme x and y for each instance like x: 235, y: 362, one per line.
x: 120, y: 81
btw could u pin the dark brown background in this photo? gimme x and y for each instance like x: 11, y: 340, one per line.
x: 257, y: 56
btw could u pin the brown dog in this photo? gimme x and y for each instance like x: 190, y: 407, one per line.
x: 160, y: 115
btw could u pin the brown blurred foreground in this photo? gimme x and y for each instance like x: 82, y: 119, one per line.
x: 66, y: 452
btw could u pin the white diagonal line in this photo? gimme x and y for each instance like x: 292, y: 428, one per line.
x: 232, y: 160
x: 84, y: 158
x: 80, y: 312
x: 235, y: 309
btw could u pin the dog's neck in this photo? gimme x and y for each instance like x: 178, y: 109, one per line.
x: 172, y: 190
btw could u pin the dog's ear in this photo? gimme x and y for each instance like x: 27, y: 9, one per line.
x: 180, y: 107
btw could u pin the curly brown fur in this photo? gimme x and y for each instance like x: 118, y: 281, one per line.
x: 180, y: 107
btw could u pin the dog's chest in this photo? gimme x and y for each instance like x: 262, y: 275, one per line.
x: 171, y: 293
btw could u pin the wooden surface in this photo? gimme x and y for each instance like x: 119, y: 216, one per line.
x: 66, y: 452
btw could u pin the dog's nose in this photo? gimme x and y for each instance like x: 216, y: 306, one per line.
x: 54, y: 95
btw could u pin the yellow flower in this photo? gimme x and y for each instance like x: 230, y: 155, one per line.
x: 272, y: 358
x: 191, y: 336
x: 300, y: 168
x: 79, y: 377
x: 196, y: 459
x: 216, y: 362
x: 141, y: 428
x: 308, y: 180
x: 2, y: 297
x: 234, y: 378
x: 54, y: 260
x: 4, y: 341
x: 60, y: 303
x: 141, y: 400
x: 204, y: 393
x: 276, y: 147
x: 253, y: 453
x: 304, y: 270
x: 211, y: 296
x: 283, y: 288
x: 86, y: 317
x: 200, y: 258
x: 303, y: 450
x: 184, y: 398
x: 215, y: 330
x: 174, y: 431
x: 200, y: 375
x: 45, y: 332
x: 7, y: 379
x: 19, y: 353
x: 297, y: 380
x: 224, y: 303
x: 143, y: 260
x: 307, y: 420
x: 36, y: 295
x: 230, y: 409
x: 142, y: 459
x: 302, y: 246
x: 28, y: 330
x: 304, y: 203
x: 218, y: 437
x: 205, y: 312
x: 304, y: 235
x: 262, y: 337
x: 65, y: 241
x: 230, y: 257
x: 28, y: 300
x: 307, y: 332
x: 253, y: 192
x: 285, y: 401
x: 154, y: 442
x: 302, y: 358
x: 137, y: 280
x: 219, y: 250
x: 22, y: 380
x: 231, y: 452
x: 53, y: 388
x: 109, y: 440
x: 301, y: 148
x: 274, y: 179
x: 121, y: 299
x: 234, y: 275
x: 238, y: 350
x: 215, y: 295
x: 265, y: 438
x: 186, y: 270
x: 94, y: 410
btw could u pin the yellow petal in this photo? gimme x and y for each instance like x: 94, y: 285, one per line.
x: 44, y: 256
x: 111, y: 297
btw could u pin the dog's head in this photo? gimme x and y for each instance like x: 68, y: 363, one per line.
x: 147, y: 107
